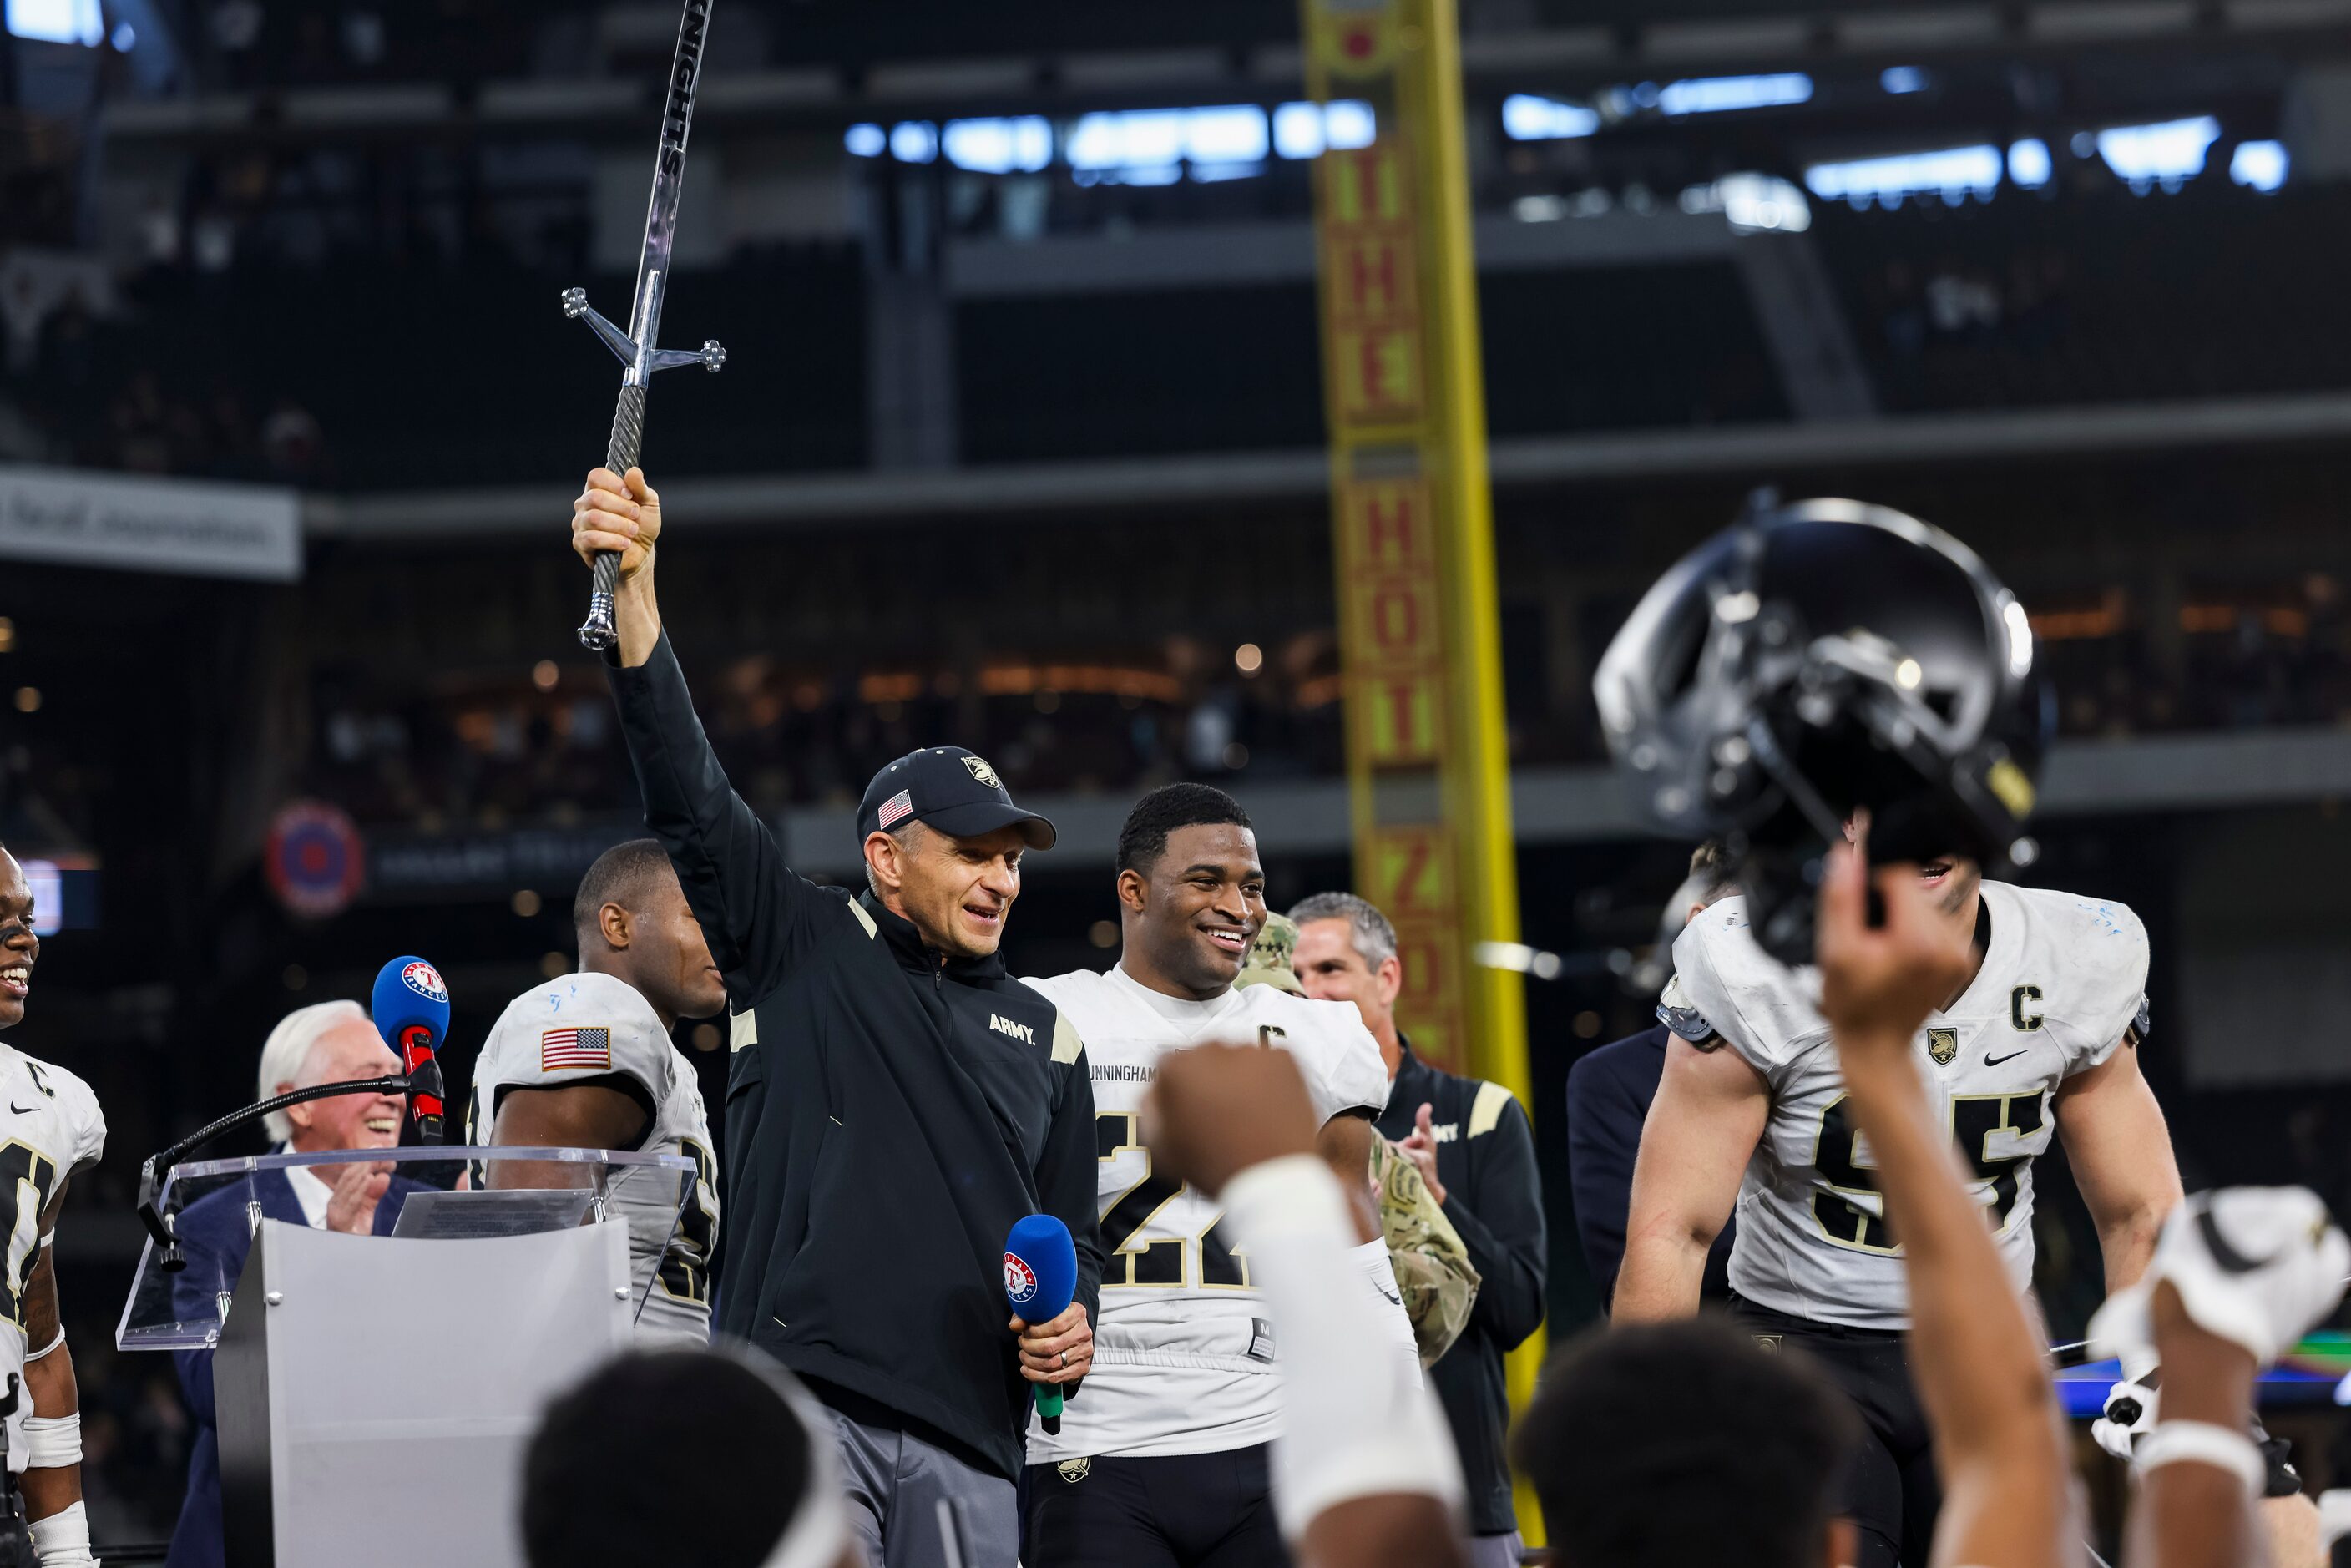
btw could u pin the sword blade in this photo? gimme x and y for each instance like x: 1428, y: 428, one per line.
x: 600, y: 631
x: 669, y: 184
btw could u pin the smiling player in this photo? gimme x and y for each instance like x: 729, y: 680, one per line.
x: 1163, y: 1462
x: 55, y: 1129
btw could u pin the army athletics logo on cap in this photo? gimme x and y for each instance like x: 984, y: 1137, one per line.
x: 950, y: 789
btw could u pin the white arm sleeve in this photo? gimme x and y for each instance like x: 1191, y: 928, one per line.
x: 62, y: 1539
x: 1356, y: 1422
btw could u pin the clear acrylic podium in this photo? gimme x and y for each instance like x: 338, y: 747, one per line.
x: 393, y: 1377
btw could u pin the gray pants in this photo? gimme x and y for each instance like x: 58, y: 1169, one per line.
x: 903, y: 1492
x: 1496, y: 1551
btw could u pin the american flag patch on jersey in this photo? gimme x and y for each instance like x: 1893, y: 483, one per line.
x: 895, y: 807
x: 563, y: 1050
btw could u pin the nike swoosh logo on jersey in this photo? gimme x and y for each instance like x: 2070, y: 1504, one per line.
x: 1992, y: 1061
x: 24, y: 1110
x: 1397, y: 1300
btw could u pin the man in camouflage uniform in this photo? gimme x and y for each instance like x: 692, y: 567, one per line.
x: 1431, y: 1267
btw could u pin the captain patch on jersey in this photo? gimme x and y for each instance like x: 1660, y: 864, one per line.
x: 1184, y: 1350
x: 589, y: 1028
x: 2064, y: 983
x: 54, y: 1129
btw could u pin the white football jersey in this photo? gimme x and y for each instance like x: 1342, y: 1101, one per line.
x: 585, y: 1027
x: 54, y: 1128
x: 1183, y: 1352
x: 2063, y: 979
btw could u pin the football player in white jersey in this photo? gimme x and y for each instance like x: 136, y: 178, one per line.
x: 1162, y: 1459
x: 1752, y: 1111
x: 54, y: 1128
x: 586, y: 1062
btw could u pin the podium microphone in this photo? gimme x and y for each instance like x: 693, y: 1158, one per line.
x: 410, y: 1010
x: 1041, y: 1275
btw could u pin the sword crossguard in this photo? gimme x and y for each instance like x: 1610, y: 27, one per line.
x: 710, y: 356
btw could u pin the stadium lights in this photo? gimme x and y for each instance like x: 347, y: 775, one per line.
x: 56, y: 21
x: 1133, y: 147
x: 2258, y: 165
x: 1752, y: 203
x: 1953, y: 173
x: 1901, y: 79
x: 1519, y: 958
x: 915, y: 141
x: 1527, y: 118
x: 2028, y: 163
x: 2164, y: 154
x: 999, y: 146
x: 1718, y: 95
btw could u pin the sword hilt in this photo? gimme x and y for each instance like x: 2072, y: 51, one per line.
x: 600, y: 632
x: 711, y: 357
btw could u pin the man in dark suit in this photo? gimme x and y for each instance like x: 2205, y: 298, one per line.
x: 332, y: 1043
x: 1475, y: 1150
x: 1608, y: 1096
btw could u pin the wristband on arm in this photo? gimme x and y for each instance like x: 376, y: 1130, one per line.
x: 2202, y: 1443
x: 62, y: 1539
x: 1353, y: 1425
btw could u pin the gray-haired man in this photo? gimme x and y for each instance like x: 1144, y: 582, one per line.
x: 1475, y: 1151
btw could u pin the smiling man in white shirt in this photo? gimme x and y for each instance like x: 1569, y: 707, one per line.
x: 1163, y: 1458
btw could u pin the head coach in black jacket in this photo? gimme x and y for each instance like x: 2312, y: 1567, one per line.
x: 1475, y: 1151
x: 896, y: 1100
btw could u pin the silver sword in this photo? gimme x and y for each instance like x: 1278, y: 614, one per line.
x: 636, y: 346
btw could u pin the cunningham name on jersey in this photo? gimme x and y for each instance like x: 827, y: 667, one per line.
x: 2064, y: 982
x: 54, y: 1128
x: 1185, y: 1352
x: 587, y: 1027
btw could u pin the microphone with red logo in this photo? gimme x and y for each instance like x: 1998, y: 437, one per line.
x: 410, y: 1008
x: 1041, y: 1275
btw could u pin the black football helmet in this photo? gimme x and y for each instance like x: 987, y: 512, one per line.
x: 1820, y: 657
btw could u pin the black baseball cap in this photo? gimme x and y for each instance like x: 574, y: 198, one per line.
x: 951, y: 789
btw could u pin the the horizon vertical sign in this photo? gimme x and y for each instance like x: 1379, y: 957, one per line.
x: 1412, y: 528
x: 1413, y: 531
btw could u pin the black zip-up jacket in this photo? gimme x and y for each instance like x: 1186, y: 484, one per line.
x: 1493, y: 1195
x: 889, y: 1115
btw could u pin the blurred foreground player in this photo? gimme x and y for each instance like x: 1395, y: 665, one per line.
x: 894, y: 1103
x: 586, y: 1062
x: 1475, y: 1150
x: 1825, y: 659
x: 1364, y: 1473
x: 327, y: 1042
x: 2239, y: 1277
x: 730, y: 1466
x: 55, y: 1129
x: 1164, y: 1463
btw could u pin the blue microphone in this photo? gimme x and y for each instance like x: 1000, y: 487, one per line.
x: 410, y: 1010
x: 1041, y: 1275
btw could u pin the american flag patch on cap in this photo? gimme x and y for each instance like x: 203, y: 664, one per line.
x: 563, y: 1050
x: 895, y: 807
